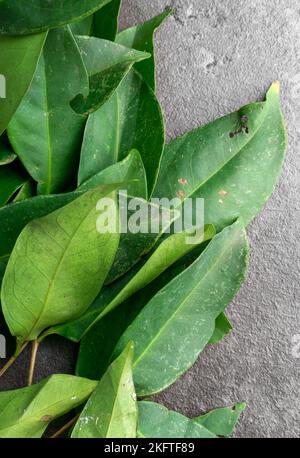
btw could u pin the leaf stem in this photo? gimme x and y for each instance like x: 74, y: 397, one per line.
x: 65, y: 427
x: 35, y: 346
x: 12, y: 359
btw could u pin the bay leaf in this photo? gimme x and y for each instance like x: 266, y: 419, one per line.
x: 64, y: 259
x: 179, y: 321
x: 16, y: 79
x: 27, y: 412
x: 33, y: 15
x: 107, y: 63
x: 222, y: 421
x: 111, y: 412
x: 130, y: 171
x: 232, y: 163
x: 45, y: 132
x: 141, y: 37
x: 11, y: 180
x: 168, y: 252
x: 131, y: 118
x: 155, y: 421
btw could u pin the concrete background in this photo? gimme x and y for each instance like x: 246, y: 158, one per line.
x: 214, y: 56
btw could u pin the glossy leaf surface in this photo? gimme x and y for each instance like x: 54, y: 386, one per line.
x: 234, y: 174
x: 30, y: 16
x: 179, y: 321
x: 141, y: 37
x: 155, y: 421
x: 11, y: 180
x: 65, y: 260
x: 15, y: 80
x: 14, y: 217
x: 45, y: 132
x: 131, y: 118
x: 129, y: 171
x: 26, y: 413
x: 111, y: 412
x: 222, y: 421
x: 107, y: 63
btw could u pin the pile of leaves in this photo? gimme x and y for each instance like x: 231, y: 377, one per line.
x: 80, y: 121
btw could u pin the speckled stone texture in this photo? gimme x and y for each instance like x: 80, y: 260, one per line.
x: 213, y: 57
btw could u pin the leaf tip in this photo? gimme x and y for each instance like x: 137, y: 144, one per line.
x: 275, y: 87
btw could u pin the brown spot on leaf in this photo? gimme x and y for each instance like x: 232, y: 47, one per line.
x: 47, y: 418
x: 183, y: 181
x: 180, y: 194
x: 223, y: 193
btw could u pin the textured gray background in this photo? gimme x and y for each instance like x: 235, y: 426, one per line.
x: 214, y: 56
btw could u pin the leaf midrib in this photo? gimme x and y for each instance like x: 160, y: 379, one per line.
x: 62, y: 257
x: 49, y: 142
x: 37, y: 415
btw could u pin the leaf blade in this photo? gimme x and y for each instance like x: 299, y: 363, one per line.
x: 141, y: 37
x: 38, y: 129
x: 130, y: 119
x: 221, y: 179
x: 26, y: 413
x: 112, y: 410
x: 155, y: 421
x: 107, y: 63
x: 25, y: 50
x: 192, y: 305
x: 50, y: 255
x: 222, y: 421
x: 32, y: 16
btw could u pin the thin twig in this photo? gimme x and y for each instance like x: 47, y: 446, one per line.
x: 35, y: 346
x: 11, y: 360
x: 65, y: 427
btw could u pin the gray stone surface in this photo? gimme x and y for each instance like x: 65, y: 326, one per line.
x: 212, y: 57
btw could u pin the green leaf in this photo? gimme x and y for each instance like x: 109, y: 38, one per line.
x: 83, y: 27
x: 111, y: 412
x: 235, y: 175
x: 141, y: 37
x: 101, y: 24
x: 179, y: 321
x: 106, y: 21
x: 130, y: 170
x: 170, y: 250
x: 222, y: 328
x: 14, y: 217
x: 107, y: 64
x: 103, y: 337
x: 26, y: 191
x: 11, y: 180
x: 16, y: 78
x: 34, y: 15
x: 6, y: 154
x: 155, y: 421
x: 131, y: 118
x: 45, y: 132
x: 57, y: 267
x: 26, y: 413
x: 222, y: 421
